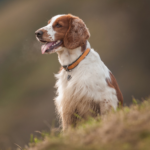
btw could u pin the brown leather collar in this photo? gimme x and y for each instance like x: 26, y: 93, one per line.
x: 77, y: 61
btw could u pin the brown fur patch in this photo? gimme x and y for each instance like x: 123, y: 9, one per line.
x: 113, y: 83
x: 77, y: 33
x: 61, y: 31
x: 73, y: 31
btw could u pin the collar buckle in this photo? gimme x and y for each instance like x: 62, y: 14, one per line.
x: 69, y: 70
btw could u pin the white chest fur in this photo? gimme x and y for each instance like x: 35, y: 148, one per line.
x: 88, y: 84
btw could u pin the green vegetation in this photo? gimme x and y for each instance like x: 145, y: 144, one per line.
x: 126, y: 129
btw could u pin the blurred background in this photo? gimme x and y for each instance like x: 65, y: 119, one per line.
x: 120, y: 33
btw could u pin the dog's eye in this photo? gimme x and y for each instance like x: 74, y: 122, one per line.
x: 58, y: 25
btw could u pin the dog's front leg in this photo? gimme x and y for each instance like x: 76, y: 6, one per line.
x: 67, y: 120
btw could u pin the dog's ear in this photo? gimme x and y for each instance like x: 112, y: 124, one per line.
x: 77, y: 33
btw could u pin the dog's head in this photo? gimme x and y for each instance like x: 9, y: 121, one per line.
x: 62, y: 31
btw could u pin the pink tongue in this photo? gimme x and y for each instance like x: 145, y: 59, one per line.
x: 46, y: 47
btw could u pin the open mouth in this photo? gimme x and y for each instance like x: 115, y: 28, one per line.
x: 50, y: 47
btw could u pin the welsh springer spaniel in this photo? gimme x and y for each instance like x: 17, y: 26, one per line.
x: 85, y: 86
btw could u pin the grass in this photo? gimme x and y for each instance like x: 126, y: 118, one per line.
x: 125, y: 129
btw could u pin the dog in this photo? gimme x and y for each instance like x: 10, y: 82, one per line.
x: 85, y: 86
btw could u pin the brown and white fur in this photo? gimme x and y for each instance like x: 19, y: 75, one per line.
x: 92, y: 89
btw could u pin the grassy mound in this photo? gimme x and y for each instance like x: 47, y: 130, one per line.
x: 125, y: 129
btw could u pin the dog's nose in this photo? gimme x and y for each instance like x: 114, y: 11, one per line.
x: 39, y: 33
